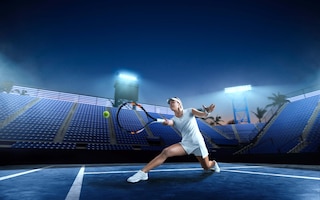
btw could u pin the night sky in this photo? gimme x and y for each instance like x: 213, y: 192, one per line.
x: 191, y: 49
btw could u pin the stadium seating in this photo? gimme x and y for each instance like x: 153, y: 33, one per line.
x: 313, y: 138
x: 285, y: 132
x: 247, y: 132
x: 11, y: 103
x: 216, y: 137
x: 43, y: 145
x: 35, y: 123
x: 41, y: 122
x: 88, y: 125
x: 96, y: 146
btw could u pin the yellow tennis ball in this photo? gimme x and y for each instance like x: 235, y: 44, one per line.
x: 106, y: 114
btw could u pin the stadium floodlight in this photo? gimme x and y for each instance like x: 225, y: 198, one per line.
x: 239, y: 103
x: 126, y: 88
x: 127, y: 77
x: 237, y: 89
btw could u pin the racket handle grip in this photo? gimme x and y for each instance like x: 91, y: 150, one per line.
x: 161, y: 120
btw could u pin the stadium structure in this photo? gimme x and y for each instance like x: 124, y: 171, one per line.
x: 54, y: 127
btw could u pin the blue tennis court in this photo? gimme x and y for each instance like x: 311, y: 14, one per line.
x: 168, y: 181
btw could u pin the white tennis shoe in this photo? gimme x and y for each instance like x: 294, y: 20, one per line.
x: 139, y: 176
x: 216, y: 167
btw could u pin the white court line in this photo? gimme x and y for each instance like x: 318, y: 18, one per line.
x: 270, y: 174
x: 155, y: 170
x: 22, y: 173
x: 242, y: 167
x: 75, y: 190
x: 226, y: 169
x: 165, y: 170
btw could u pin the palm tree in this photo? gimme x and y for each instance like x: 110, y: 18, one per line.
x: 213, y: 121
x: 278, y: 100
x: 210, y: 120
x: 218, y: 120
x: 22, y: 92
x: 260, y: 113
x: 6, y: 86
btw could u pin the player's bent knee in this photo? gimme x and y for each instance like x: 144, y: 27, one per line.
x: 168, y: 152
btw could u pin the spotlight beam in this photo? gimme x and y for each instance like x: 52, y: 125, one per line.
x: 127, y: 77
x: 237, y: 89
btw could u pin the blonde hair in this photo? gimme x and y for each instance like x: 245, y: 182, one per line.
x: 181, y: 106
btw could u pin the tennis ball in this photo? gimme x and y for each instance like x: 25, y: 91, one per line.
x: 106, y: 114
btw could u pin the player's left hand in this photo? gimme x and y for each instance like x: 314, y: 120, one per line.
x: 209, y: 109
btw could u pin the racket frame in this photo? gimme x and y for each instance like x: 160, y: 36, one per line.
x: 153, y: 120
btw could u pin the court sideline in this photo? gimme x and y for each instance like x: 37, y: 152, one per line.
x: 169, y: 181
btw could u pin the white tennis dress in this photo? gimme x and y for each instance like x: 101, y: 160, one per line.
x: 192, y: 139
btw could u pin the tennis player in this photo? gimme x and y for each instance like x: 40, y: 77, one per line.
x: 192, y: 140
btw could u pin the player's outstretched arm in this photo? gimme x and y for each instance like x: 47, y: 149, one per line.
x: 205, y: 113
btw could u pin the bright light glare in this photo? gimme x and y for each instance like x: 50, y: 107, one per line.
x: 127, y: 77
x: 237, y: 89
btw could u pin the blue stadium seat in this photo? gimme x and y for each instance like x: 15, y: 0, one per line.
x: 285, y: 132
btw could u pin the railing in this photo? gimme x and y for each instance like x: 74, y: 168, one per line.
x: 304, y: 93
x: 78, y: 98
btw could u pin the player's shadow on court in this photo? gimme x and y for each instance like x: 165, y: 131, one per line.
x: 178, y: 178
x: 155, y: 179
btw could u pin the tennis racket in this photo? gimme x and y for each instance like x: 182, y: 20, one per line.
x: 133, y: 118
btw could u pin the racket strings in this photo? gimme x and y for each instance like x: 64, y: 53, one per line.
x: 131, y: 117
